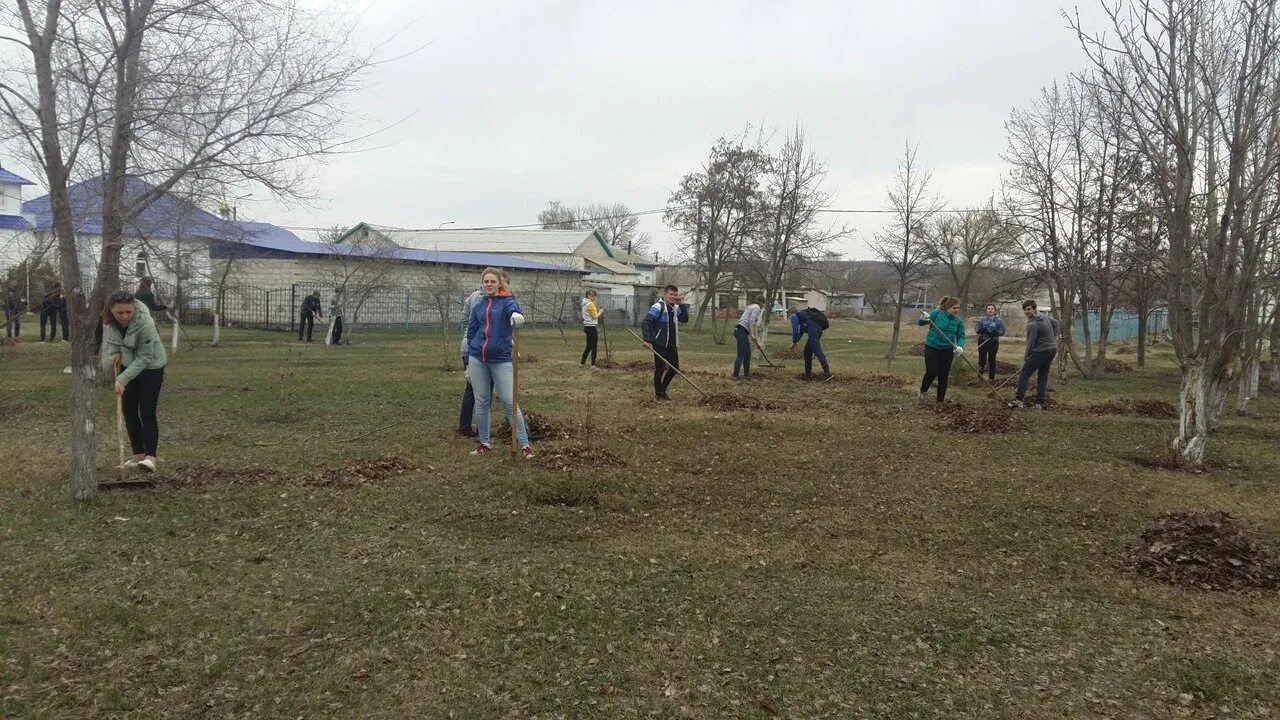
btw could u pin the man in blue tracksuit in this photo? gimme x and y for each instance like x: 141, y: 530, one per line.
x: 802, y: 323
x: 662, y: 335
x: 1042, y: 347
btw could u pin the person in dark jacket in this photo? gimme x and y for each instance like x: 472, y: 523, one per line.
x: 661, y: 333
x: 13, y: 309
x: 944, y: 341
x: 49, y: 313
x: 989, y: 329
x: 1042, y: 347
x: 490, y: 334
x: 802, y: 323
x: 308, y: 313
x: 147, y: 296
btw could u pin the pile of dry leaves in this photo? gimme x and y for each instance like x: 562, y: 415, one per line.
x: 1205, y: 551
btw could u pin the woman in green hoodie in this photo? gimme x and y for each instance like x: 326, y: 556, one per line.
x: 944, y: 341
x: 138, y: 352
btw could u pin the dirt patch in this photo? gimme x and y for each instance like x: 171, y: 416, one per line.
x: 526, y: 358
x: 1125, y: 350
x: 1204, y: 551
x: 788, y: 353
x: 540, y: 428
x: 731, y: 402
x: 988, y: 419
x: 1116, y: 367
x: 1134, y: 406
x: 1006, y: 368
x: 880, y: 380
x: 915, y: 350
x: 607, y: 364
x: 352, y: 474
x: 573, y: 456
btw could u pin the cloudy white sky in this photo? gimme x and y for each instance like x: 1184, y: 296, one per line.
x: 507, y: 105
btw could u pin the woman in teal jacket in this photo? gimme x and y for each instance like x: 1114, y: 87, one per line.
x: 138, y: 352
x: 944, y: 341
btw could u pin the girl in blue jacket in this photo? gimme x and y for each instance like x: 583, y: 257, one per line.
x: 489, y: 334
x: 944, y: 341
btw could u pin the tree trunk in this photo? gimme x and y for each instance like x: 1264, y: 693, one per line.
x: 897, y: 321
x: 1200, y: 403
x: 1248, y: 390
x: 1275, y: 352
x: 1143, y: 314
x: 702, y: 309
x: 83, y: 482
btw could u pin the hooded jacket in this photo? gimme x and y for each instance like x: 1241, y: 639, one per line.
x: 802, y: 323
x: 140, y: 346
x: 468, y: 306
x: 489, y: 329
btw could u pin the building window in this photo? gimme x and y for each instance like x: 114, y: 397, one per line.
x: 140, y: 267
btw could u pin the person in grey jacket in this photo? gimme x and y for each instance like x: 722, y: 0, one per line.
x: 1042, y: 347
x: 468, y: 395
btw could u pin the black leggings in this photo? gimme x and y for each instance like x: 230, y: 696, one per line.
x: 141, y: 396
x: 592, y: 337
x: 987, y: 356
x: 937, y: 365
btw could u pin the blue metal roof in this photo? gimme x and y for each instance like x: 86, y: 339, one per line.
x: 169, y: 216
x: 14, y: 222
x: 8, y: 178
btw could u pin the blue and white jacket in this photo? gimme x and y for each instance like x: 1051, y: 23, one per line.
x: 658, y: 319
x: 489, y: 329
x: 989, y: 327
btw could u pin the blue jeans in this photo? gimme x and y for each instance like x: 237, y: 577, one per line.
x: 468, y: 405
x: 743, y: 359
x: 485, y: 378
x: 1040, y: 363
x: 811, y: 348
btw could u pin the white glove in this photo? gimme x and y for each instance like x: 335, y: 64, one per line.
x: 959, y: 350
x: 517, y: 319
x: 466, y: 372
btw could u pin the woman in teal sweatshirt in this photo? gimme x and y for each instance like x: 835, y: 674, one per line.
x: 944, y: 341
x: 138, y: 352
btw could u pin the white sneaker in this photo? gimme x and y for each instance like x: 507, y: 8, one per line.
x: 147, y: 464
x: 129, y: 464
x: 1017, y: 405
x: 922, y: 398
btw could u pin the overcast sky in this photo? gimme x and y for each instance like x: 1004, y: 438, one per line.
x: 507, y: 105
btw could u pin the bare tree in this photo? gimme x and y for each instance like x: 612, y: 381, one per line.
x: 1197, y: 83
x: 358, y: 273
x: 902, y: 245
x: 789, y: 234
x: 162, y: 89
x: 619, y: 226
x: 717, y: 209
x: 967, y: 243
x: 557, y: 216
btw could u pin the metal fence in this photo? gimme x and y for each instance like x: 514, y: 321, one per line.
x: 399, y: 306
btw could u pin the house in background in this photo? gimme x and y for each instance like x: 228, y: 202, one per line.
x: 18, y: 244
x: 837, y: 304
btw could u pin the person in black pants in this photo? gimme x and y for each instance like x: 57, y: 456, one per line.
x: 1042, y: 347
x: 13, y: 308
x: 49, y: 314
x: 662, y: 336
x: 138, y: 352
x: 147, y: 296
x: 990, y: 329
x: 590, y: 321
x: 942, y: 343
x: 309, y: 312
